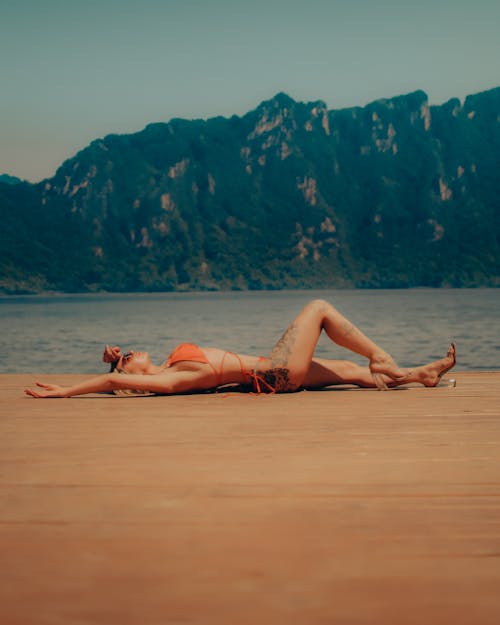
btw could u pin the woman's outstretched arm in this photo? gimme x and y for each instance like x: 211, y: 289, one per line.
x: 162, y: 384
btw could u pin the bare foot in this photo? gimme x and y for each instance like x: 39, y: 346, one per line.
x: 431, y: 374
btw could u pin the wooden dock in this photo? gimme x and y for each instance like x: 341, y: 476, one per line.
x: 335, y: 507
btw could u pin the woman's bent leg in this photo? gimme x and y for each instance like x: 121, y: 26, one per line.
x: 292, y: 354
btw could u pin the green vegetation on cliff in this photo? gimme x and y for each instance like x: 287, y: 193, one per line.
x: 395, y: 194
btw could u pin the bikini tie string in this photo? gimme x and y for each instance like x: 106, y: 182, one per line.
x: 260, y: 384
x: 258, y: 380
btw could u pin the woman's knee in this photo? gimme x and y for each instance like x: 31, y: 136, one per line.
x: 319, y: 306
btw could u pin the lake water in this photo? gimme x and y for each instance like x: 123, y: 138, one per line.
x: 66, y: 333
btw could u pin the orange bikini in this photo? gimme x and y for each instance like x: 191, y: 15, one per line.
x: 193, y: 353
x: 187, y: 351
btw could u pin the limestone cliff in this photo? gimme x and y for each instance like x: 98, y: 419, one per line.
x: 397, y: 193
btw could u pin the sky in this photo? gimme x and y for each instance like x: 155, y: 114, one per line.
x: 72, y: 71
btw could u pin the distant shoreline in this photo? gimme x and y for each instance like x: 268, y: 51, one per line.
x: 90, y: 294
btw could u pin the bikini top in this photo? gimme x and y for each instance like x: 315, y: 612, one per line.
x: 187, y: 351
x: 193, y: 353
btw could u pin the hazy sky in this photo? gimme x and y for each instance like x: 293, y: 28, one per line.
x: 75, y: 70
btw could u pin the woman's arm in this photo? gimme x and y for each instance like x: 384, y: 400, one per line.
x: 166, y: 383
x: 163, y: 383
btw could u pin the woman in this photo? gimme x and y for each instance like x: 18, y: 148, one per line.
x: 289, y: 367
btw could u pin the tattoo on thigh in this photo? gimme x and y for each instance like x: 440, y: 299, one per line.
x: 278, y: 379
x: 281, y: 351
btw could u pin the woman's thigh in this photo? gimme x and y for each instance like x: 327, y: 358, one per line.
x: 290, y: 359
x: 292, y: 355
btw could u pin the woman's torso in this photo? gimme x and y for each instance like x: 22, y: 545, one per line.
x: 226, y: 367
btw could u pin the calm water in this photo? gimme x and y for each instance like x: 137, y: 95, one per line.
x: 67, y: 333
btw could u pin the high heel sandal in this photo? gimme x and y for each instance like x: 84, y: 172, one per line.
x: 448, y: 382
x: 379, y: 382
x: 388, y: 367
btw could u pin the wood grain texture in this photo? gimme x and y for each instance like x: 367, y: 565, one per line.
x: 341, y: 506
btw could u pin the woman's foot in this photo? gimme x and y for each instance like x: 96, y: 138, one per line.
x: 431, y: 374
x: 384, y: 364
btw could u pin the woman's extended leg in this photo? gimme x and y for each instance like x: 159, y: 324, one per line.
x: 323, y: 372
x: 292, y: 355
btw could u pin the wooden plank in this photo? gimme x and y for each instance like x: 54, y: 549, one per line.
x: 342, y: 506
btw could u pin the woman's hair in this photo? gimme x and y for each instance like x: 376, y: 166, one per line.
x: 126, y: 391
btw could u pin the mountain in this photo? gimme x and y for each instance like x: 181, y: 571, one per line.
x: 7, y: 179
x: 395, y: 194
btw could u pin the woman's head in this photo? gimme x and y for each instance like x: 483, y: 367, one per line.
x: 138, y: 363
x: 132, y: 362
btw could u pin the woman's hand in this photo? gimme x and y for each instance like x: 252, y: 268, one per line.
x: 49, y: 390
x: 111, y: 354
